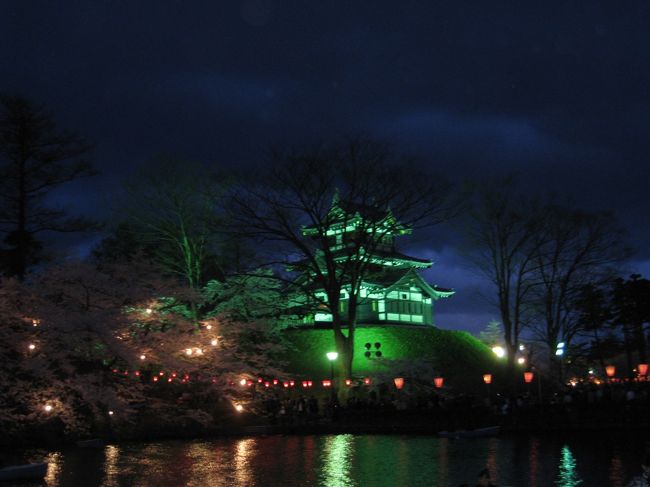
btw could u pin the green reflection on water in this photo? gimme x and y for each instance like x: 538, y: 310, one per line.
x: 568, y: 474
x: 337, y: 462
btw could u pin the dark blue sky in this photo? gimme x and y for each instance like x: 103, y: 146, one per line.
x: 556, y: 91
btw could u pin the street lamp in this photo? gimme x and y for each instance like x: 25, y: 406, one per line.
x: 499, y: 351
x: 332, y: 356
x: 487, y: 378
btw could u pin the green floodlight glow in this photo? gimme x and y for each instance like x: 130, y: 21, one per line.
x: 332, y: 355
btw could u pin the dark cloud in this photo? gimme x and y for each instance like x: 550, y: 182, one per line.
x: 556, y: 91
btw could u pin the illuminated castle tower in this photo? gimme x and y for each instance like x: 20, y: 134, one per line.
x: 391, y: 290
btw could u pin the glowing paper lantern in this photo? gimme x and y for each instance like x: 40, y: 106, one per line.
x: 327, y: 383
x: 399, y: 382
x: 242, y: 382
x: 438, y: 381
x: 643, y: 369
x: 292, y: 383
x: 366, y: 381
x: 610, y: 370
x: 309, y: 383
x: 275, y: 382
x: 267, y: 384
x: 348, y: 382
x: 304, y: 383
x: 487, y: 378
x: 155, y: 379
x: 528, y: 377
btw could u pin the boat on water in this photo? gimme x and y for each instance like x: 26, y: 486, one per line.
x: 477, y: 433
x: 29, y: 471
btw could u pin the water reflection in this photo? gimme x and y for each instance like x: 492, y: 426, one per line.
x: 337, y: 462
x: 568, y: 475
x: 53, y: 469
x: 346, y: 461
x: 111, y: 469
x: 244, y: 452
x: 616, y: 472
x: 533, y: 462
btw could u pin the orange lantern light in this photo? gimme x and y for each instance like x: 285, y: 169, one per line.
x: 528, y: 377
x: 643, y: 369
x: 610, y: 370
x: 399, y: 382
x: 438, y: 381
x: 487, y: 378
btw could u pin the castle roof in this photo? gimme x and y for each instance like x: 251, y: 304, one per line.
x: 400, y: 277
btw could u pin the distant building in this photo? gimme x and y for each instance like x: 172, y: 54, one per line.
x: 392, y: 292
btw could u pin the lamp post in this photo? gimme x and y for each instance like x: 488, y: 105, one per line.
x: 487, y: 378
x: 610, y: 370
x: 643, y: 370
x: 332, y: 356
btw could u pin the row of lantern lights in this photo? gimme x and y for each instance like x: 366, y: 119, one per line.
x: 642, y: 370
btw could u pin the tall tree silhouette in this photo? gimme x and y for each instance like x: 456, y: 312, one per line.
x: 35, y: 158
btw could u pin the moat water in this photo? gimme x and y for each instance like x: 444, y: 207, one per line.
x: 350, y: 460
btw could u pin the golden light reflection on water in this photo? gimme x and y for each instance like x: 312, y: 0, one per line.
x: 205, y: 466
x: 243, y: 469
x: 337, y: 461
x: 111, y: 468
x: 53, y: 469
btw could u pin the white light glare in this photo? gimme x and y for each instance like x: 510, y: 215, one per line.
x: 521, y: 360
x: 499, y: 351
x: 559, y: 351
x: 47, y: 408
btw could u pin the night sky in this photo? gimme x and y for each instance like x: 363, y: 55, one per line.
x: 557, y: 91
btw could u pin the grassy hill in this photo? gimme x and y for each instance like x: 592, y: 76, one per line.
x: 455, y: 355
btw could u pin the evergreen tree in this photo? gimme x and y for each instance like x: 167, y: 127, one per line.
x: 35, y: 158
